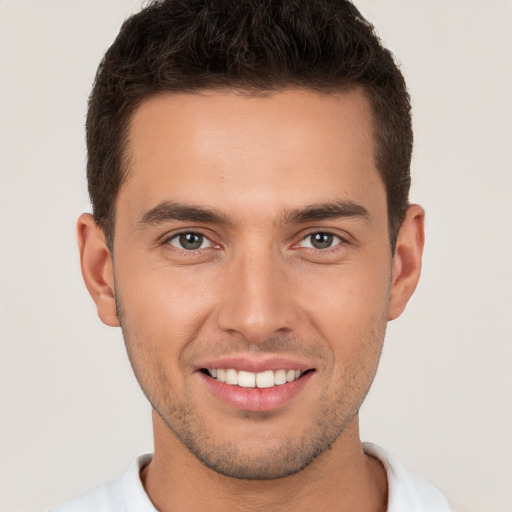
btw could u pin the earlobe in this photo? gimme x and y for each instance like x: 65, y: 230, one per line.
x: 407, y: 260
x: 97, y: 270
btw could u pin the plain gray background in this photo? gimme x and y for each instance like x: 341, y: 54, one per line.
x: 71, y: 412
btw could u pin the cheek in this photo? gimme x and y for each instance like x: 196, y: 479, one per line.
x: 349, y: 308
x: 163, y: 307
x: 347, y: 301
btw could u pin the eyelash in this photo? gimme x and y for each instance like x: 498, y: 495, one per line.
x: 191, y: 252
x: 341, y: 241
x: 188, y: 252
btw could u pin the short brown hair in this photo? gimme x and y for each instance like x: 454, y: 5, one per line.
x: 254, y: 45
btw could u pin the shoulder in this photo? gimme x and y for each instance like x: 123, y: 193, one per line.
x: 124, y: 494
x: 407, y: 492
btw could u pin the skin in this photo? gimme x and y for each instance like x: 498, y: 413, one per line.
x: 257, y: 287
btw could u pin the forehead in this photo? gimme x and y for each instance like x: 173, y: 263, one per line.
x: 229, y: 149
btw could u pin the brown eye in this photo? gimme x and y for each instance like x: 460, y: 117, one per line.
x: 190, y: 241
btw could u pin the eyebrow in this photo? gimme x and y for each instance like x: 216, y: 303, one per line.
x: 166, y: 211
x: 325, y: 211
x: 169, y: 210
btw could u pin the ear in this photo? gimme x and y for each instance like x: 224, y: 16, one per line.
x: 97, y: 269
x: 407, y: 260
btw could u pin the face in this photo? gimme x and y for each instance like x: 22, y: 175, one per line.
x: 252, y: 272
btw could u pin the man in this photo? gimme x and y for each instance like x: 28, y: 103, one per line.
x: 248, y: 166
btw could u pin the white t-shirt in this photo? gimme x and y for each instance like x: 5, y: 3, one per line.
x: 407, y: 492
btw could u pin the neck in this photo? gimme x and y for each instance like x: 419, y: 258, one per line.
x: 342, y: 479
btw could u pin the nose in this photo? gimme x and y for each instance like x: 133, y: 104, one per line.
x: 257, y: 298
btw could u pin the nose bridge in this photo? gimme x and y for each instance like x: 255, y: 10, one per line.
x: 257, y: 299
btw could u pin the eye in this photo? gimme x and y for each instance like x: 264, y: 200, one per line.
x: 190, y: 241
x: 320, y: 240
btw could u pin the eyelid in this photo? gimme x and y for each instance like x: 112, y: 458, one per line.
x: 166, y: 239
x: 334, y: 237
x: 342, y: 239
x: 176, y: 238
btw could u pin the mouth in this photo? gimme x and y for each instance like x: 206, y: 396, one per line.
x: 264, y: 389
x: 246, y: 379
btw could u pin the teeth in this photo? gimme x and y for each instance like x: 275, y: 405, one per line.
x: 246, y: 379
x: 280, y: 377
x: 231, y: 377
x: 266, y: 379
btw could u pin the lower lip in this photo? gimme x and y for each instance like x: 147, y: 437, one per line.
x: 256, y: 399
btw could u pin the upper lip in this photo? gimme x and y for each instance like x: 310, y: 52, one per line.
x: 256, y: 364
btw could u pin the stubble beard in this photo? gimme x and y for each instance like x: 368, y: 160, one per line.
x: 325, y: 424
x: 230, y: 459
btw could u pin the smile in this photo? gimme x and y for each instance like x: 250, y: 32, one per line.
x: 267, y: 387
x: 245, y: 379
